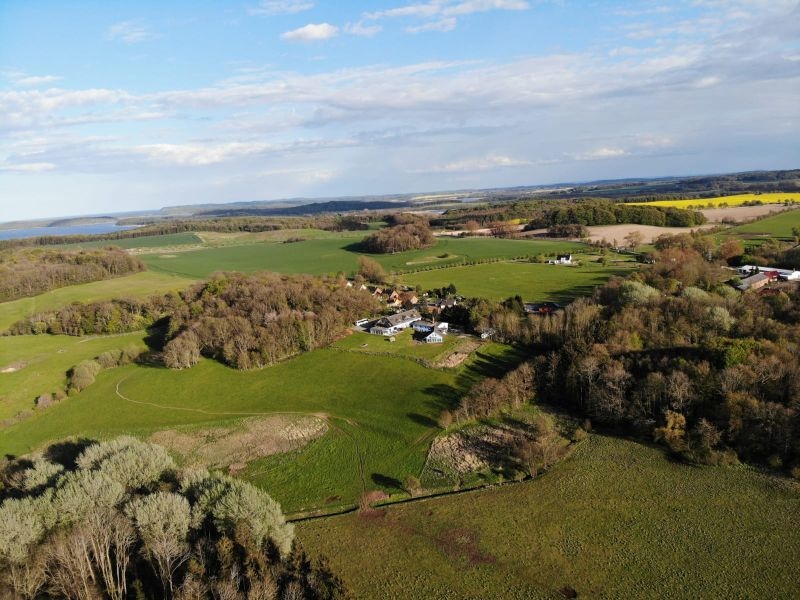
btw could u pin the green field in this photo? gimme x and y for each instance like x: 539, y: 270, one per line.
x: 148, y: 241
x: 380, y: 409
x: 322, y: 256
x: 45, y: 360
x: 138, y: 285
x: 404, y: 345
x: 617, y: 520
x: 734, y: 200
x: 779, y: 226
x: 532, y: 281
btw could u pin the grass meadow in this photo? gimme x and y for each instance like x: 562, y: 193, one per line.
x: 332, y: 255
x: 616, y: 520
x: 138, y: 285
x: 532, y: 281
x: 43, y: 362
x: 381, y: 410
x: 148, y: 241
x: 779, y: 226
x: 735, y: 200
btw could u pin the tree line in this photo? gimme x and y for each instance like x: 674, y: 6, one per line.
x: 119, y: 519
x: 28, y: 272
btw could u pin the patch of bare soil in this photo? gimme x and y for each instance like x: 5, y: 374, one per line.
x: 460, y: 544
x: 649, y: 232
x: 233, y: 447
x: 742, y: 213
x: 475, y: 449
x: 14, y: 367
x: 459, y: 355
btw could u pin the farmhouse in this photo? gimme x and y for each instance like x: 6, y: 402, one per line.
x: 564, y: 259
x: 753, y: 282
x: 782, y: 274
x: 394, y: 323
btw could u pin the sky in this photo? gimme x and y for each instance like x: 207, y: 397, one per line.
x: 120, y: 106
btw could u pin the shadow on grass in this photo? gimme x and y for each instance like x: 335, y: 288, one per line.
x: 66, y: 453
x: 386, y: 482
x: 421, y: 420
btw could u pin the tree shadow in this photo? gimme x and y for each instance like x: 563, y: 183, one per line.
x: 66, y: 453
x: 421, y: 420
x: 444, y: 397
x: 386, y: 482
x: 157, y: 335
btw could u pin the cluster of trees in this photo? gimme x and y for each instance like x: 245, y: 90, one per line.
x: 491, y: 396
x: 602, y: 212
x: 399, y: 238
x: 83, y: 374
x: 244, y: 321
x: 257, y: 320
x: 119, y: 519
x: 29, y: 272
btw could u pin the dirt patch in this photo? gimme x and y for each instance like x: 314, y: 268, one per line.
x: 742, y: 213
x: 233, y: 447
x: 472, y: 450
x: 459, y: 355
x: 461, y: 545
x: 649, y: 232
x: 14, y: 367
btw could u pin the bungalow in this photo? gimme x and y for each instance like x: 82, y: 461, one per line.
x: 394, y: 323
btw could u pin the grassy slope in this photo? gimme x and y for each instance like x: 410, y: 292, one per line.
x: 532, y: 281
x: 386, y: 406
x: 320, y: 256
x: 735, y: 200
x: 47, y: 360
x: 150, y: 241
x: 779, y: 225
x: 618, y: 520
x: 138, y: 285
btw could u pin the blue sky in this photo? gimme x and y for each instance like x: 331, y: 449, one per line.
x: 113, y: 106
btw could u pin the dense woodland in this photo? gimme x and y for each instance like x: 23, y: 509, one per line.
x: 672, y: 352
x: 29, y: 272
x: 540, y: 214
x: 243, y: 321
x: 402, y: 237
x: 119, y: 519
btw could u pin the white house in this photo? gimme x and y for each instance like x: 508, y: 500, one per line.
x: 785, y: 274
x: 434, y: 338
x: 564, y: 259
x: 394, y: 323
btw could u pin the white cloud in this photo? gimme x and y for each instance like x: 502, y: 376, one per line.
x: 34, y: 167
x: 441, y: 15
x: 485, y: 163
x: 130, y: 32
x: 22, y: 79
x: 446, y: 24
x: 199, y: 154
x: 271, y: 8
x: 363, y: 30
x: 313, y: 32
x: 600, y: 154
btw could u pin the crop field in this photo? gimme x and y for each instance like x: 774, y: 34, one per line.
x: 532, y: 281
x: 39, y: 364
x: 381, y: 412
x: 735, y: 200
x: 780, y: 226
x: 149, y: 241
x: 616, y: 520
x: 138, y: 285
x: 324, y: 256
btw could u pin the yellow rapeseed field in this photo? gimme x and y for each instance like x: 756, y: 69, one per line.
x: 721, y: 201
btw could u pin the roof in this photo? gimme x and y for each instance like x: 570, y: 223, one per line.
x: 401, y: 317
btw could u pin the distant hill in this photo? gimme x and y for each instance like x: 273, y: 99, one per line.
x: 314, y: 208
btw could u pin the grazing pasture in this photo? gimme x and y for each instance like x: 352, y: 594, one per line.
x: 332, y: 255
x: 138, y: 285
x: 779, y: 226
x: 39, y: 364
x: 616, y: 520
x: 532, y: 281
x: 735, y: 200
x: 381, y: 413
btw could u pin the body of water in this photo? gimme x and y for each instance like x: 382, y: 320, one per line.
x: 10, y: 234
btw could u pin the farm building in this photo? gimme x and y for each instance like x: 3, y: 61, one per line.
x: 564, y: 259
x: 394, y: 323
x: 783, y: 274
x: 429, y: 326
x: 753, y: 282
